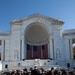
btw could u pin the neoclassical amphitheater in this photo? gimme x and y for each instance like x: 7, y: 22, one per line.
x: 37, y: 40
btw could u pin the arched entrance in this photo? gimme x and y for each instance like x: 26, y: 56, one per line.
x: 36, y: 39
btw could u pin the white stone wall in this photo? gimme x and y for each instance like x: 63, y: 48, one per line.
x: 15, y: 43
x: 5, y: 54
x: 68, y: 49
x: 7, y: 49
x: 57, y: 42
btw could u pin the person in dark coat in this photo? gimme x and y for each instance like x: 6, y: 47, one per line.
x: 42, y: 69
x: 25, y: 69
x: 36, y: 71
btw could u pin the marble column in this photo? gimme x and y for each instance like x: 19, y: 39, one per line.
x: 3, y: 52
x: 51, y: 49
x: 25, y: 51
x: 32, y: 52
x: 22, y: 49
x: 71, y: 49
x: 41, y: 52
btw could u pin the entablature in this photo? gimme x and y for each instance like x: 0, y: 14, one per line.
x: 5, y: 32
x: 69, y: 32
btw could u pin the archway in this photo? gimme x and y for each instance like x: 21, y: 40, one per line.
x: 37, y: 39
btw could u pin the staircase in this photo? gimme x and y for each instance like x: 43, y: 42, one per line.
x: 45, y: 63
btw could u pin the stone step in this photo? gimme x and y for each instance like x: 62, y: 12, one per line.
x: 28, y: 67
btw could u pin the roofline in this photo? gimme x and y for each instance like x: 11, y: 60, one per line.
x: 53, y: 21
x: 5, y: 32
x: 69, y: 32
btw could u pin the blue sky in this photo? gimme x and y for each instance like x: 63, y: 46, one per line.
x: 63, y: 9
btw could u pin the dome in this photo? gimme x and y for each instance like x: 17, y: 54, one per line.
x: 36, y: 33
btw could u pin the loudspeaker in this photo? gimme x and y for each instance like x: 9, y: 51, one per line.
x: 23, y: 59
x: 68, y: 64
x: 6, y: 66
x: 19, y: 64
x: 51, y: 59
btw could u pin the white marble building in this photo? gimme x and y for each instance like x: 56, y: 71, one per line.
x: 37, y: 39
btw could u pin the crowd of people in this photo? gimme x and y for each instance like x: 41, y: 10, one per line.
x: 39, y: 71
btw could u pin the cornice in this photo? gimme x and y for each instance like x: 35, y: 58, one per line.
x: 52, y: 20
x: 5, y: 32
x: 69, y: 32
x: 16, y: 23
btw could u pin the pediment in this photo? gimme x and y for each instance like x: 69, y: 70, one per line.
x: 52, y: 20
